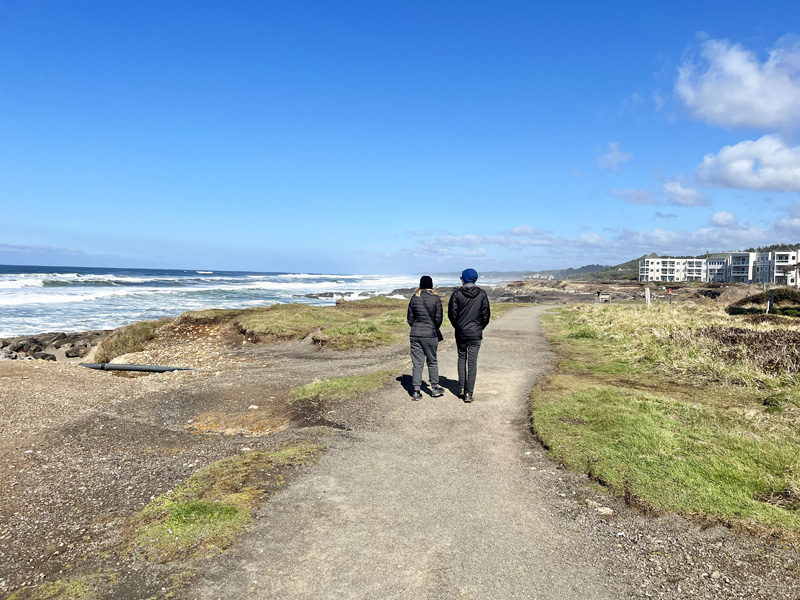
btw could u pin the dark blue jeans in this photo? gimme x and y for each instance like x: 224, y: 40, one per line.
x: 467, y: 363
x: 422, y: 349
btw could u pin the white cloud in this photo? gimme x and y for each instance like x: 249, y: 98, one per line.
x: 658, y: 100
x: 789, y: 225
x: 592, y: 240
x: 733, y: 88
x: 666, y: 215
x: 636, y: 196
x: 474, y: 253
x: 681, y: 196
x: 611, y: 160
x: 527, y: 231
x: 723, y: 219
x: 473, y: 241
x: 765, y: 164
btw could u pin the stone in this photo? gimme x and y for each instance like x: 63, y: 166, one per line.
x: 63, y: 341
x: 44, y: 356
x: 17, y: 345
x: 76, y: 352
x: 7, y: 355
x: 605, y: 511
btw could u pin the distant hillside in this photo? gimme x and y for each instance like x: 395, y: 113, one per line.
x: 567, y: 273
x: 626, y: 271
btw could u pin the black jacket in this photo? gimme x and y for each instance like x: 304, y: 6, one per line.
x: 418, y: 318
x: 469, y: 312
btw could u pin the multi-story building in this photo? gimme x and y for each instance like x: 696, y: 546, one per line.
x: 716, y: 267
x: 779, y: 267
x: 785, y: 269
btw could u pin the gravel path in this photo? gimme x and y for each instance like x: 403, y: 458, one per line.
x: 441, y: 500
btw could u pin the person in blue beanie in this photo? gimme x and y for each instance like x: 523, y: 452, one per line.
x: 425, y: 318
x: 469, y: 313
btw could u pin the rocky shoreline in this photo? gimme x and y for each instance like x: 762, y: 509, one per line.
x: 54, y: 346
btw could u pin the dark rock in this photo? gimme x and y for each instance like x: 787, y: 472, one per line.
x: 27, y: 345
x: 7, y: 355
x: 4, y: 343
x: 44, y: 356
x: 17, y: 345
x: 46, y: 339
x: 77, y: 352
x: 67, y: 339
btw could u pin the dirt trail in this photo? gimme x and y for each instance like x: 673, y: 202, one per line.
x: 441, y: 500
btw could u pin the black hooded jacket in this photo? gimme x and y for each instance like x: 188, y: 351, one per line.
x: 418, y: 317
x: 469, y: 312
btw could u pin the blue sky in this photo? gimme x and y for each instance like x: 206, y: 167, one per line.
x: 394, y: 137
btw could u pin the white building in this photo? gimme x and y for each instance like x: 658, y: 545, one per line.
x: 672, y: 269
x: 779, y: 267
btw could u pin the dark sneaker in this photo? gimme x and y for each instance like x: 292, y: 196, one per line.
x: 437, y: 392
x: 468, y: 397
x: 461, y: 393
x: 416, y: 395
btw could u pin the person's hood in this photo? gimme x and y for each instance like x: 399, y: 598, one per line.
x: 470, y: 290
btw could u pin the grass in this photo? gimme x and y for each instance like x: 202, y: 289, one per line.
x: 655, y: 408
x: 315, y: 395
x: 205, y: 514
x: 128, y: 339
x: 81, y: 587
x: 353, y: 324
x: 381, y: 330
x: 290, y: 321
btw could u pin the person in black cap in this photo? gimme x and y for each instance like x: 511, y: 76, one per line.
x: 469, y: 314
x: 425, y: 317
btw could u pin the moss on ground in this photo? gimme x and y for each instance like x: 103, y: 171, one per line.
x: 314, y: 396
x: 205, y: 514
x: 79, y: 587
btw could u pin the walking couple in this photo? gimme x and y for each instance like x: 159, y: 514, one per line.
x: 468, y: 312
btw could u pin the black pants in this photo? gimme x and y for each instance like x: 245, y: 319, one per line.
x: 467, y: 363
x: 422, y: 349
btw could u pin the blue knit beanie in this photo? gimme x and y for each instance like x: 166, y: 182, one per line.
x: 469, y: 275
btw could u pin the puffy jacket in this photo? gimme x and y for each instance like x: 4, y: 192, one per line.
x: 469, y: 312
x: 418, y: 318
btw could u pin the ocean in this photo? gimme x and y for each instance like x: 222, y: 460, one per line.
x: 44, y: 299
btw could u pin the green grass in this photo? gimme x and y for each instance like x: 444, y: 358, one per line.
x: 354, y: 324
x: 291, y: 321
x: 638, y: 403
x: 79, y: 587
x: 382, y: 330
x: 205, y: 514
x: 315, y: 395
x: 128, y: 339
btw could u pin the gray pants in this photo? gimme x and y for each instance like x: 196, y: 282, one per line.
x: 467, y: 363
x: 421, y: 349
